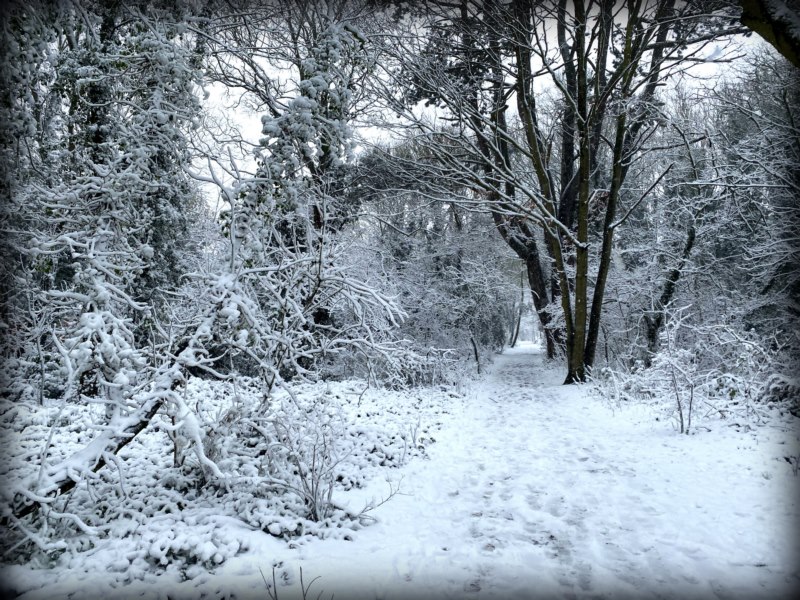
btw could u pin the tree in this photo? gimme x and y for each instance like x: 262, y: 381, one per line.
x: 109, y: 103
x: 706, y: 284
x: 776, y: 22
x: 25, y: 38
x: 445, y: 264
x: 105, y: 101
x: 279, y: 303
x: 605, y: 63
x: 759, y: 135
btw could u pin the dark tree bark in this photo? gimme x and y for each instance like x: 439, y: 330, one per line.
x: 91, y: 458
x: 654, y: 321
x: 765, y: 19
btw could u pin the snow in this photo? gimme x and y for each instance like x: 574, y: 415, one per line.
x: 519, y: 488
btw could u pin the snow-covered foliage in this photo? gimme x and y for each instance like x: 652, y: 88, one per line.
x: 194, y: 396
x: 282, y: 465
x: 452, y: 274
x: 107, y: 212
x: 706, y: 375
x: 297, y: 305
x: 304, y: 153
x: 705, y: 283
x: 523, y: 487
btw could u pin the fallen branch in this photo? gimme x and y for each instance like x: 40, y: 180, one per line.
x: 62, y: 478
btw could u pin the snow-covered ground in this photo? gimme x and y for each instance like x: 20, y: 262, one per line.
x: 527, y: 489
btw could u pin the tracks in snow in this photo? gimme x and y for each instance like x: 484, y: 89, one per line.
x: 534, y: 489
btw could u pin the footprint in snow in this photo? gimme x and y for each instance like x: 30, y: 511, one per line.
x: 533, y: 499
x: 473, y: 586
x: 583, y: 574
x: 577, y: 518
x: 556, y: 506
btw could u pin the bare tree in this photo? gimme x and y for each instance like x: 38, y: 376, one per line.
x: 552, y: 172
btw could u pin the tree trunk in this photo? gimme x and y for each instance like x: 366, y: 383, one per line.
x: 63, y: 477
x: 515, y: 333
x: 518, y: 321
x: 625, y: 140
x: 554, y: 341
x: 655, y: 321
x: 522, y: 241
x: 772, y: 25
x: 477, y: 356
x: 92, y: 458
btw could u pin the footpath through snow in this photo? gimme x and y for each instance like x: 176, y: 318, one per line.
x: 537, y: 490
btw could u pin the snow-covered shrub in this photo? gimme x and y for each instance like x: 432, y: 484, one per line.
x: 621, y: 386
x: 782, y: 390
x: 412, y: 367
x: 668, y: 384
x: 285, y: 460
x: 751, y: 378
x: 282, y: 458
x: 704, y: 372
x: 279, y: 460
x: 192, y: 543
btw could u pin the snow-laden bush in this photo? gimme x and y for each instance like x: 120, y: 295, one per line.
x: 285, y: 459
x: 289, y: 447
x: 193, y: 544
x: 705, y: 372
x: 286, y: 464
x: 412, y: 368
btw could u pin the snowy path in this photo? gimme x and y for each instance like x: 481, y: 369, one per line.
x: 534, y: 490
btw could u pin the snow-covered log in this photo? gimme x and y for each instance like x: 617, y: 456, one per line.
x: 62, y: 478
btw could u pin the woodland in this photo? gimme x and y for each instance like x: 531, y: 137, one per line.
x: 219, y: 214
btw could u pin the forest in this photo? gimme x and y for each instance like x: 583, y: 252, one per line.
x: 269, y: 264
